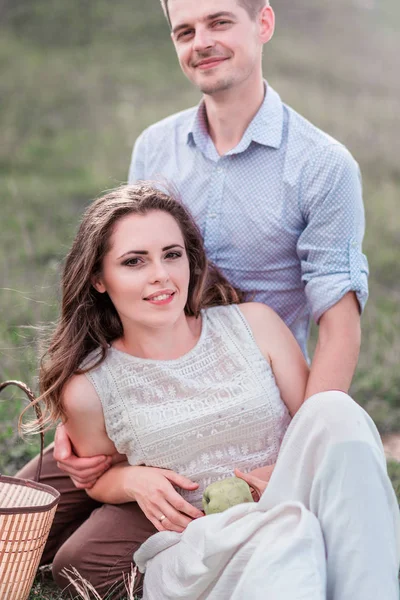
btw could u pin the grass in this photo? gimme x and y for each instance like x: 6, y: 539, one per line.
x: 394, y: 474
x: 45, y: 589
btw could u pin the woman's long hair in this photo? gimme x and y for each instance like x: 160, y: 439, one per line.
x: 88, y: 319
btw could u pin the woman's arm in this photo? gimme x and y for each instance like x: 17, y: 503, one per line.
x: 112, y: 487
x: 152, y: 488
x: 82, y: 447
x: 84, y: 421
x: 281, y: 350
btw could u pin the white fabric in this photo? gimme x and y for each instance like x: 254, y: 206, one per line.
x: 330, y: 477
x: 219, y: 555
x: 215, y: 408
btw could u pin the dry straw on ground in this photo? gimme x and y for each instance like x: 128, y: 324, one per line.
x: 87, y: 592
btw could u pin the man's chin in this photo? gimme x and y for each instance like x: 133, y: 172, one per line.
x: 215, y: 87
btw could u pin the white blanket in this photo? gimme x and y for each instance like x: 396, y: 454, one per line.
x: 238, y: 554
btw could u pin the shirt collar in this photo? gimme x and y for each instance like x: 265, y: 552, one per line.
x: 266, y: 127
x: 197, y: 130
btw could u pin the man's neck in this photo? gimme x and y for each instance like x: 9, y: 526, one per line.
x: 230, y: 113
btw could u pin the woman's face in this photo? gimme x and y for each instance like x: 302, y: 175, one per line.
x: 146, y: 271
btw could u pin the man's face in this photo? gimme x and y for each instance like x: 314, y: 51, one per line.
x: 219, y: 47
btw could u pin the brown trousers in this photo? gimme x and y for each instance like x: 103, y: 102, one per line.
x: 97, y: 539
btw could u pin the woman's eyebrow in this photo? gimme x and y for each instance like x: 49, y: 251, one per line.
x: 172, y: 246
x: 144, y: 252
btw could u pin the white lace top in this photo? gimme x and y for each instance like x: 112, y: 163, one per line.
x: 213, y: 409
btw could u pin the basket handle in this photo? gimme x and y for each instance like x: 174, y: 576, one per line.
x: 31, y: 397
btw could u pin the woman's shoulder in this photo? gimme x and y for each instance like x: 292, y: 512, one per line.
x: 84, y: 417
x: 79, y: 395
x: 252, y: 318
x: 83, y: 384
x: 258, y: 314
x: 253, y: 314
x: 264, y: 323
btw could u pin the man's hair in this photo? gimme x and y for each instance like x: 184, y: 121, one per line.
x: 252, y: 7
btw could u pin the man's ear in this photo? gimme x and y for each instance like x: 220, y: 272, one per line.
x: 98, y: 284
x: 267, y: 24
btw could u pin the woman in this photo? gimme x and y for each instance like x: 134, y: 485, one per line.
x: 154, y: 361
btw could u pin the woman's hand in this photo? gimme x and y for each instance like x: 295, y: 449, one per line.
x: 257, y: 479
x: 153, y: 490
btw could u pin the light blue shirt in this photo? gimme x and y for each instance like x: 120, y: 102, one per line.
x: 281, y: 213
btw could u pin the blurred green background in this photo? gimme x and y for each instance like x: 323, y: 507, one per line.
x: 80, y: 79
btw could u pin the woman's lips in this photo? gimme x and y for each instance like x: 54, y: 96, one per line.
x: 161, y: 299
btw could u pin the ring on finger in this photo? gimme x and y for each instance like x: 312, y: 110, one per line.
x: 161, y: 519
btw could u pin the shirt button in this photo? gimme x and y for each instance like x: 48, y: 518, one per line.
x: 354, y: 244
x: 220, y: 169
x: 212, y: 215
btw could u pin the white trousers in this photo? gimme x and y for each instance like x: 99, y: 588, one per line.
x: 326, y: 528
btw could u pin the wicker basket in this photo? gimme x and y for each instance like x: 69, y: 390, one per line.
x: 27, y: 510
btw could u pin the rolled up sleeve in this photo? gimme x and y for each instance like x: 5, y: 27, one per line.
x: 330, y: 245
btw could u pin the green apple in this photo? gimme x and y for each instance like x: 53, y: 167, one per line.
x: 220, y: 495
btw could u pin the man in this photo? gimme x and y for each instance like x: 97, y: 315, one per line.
x: 278, y: 202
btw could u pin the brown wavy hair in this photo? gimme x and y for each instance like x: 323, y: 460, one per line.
x: 88, y: 319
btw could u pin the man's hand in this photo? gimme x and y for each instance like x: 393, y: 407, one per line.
x: 257, y: 479
x: 84, y: 472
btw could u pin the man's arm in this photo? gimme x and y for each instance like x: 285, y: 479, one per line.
x: 84, y: 472
x: 338, y: 347
x: 334, y: 269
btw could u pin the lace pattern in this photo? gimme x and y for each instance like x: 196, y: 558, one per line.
x: 213, y: 409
